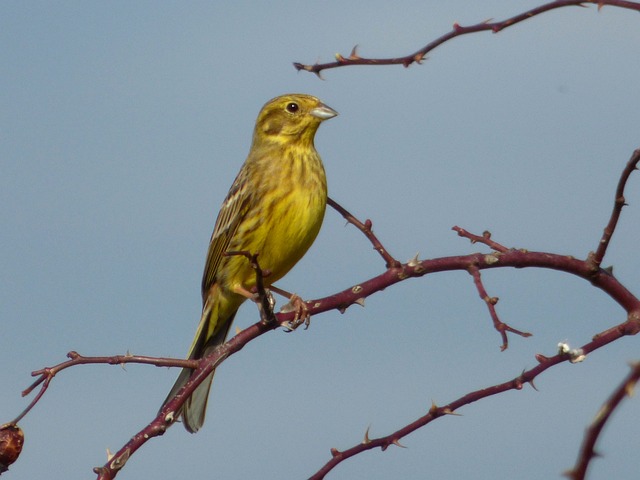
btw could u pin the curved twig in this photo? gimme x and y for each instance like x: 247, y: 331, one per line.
x: 458, y: 30
x: 513, y: 258
x: 396, y: 272
x: 436, y: 412
x: 501, y: 257
x: 45, y: 375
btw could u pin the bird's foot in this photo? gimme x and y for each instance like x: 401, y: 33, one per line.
x: 302, y: 316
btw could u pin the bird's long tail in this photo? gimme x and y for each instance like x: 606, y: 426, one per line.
x: 212, y: 331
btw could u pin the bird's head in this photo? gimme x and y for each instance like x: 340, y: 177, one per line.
x: 291, y: 118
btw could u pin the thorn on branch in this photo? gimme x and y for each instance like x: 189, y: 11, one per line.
x: 397, y: 443
x: 366, y: 439
x: 448, y: 411
x: 419, y: 58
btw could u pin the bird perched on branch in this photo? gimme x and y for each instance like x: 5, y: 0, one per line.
x: 274, y: 208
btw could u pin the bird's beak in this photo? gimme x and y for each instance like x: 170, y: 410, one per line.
x: 323, y: 112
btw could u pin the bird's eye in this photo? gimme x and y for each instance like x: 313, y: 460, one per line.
x: 292, y: 107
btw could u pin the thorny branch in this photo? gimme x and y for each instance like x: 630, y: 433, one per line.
x: 587, y: 450
x: 396, y: 272
x: 206, y: 365
x: 435, y: 412
x: 366, y: 229
x: 491, y: 302
x: 500, y: 257
x: 458, y: 30
x: 630, y: 327
x: 485, y: 238
x: 45, y: 375
x: 619, y: 202
x: 504, y: 257
x: 512, y: 258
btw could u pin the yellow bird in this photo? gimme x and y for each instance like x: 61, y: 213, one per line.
x: 274, y: 208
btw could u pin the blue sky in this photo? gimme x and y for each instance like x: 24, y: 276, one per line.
x: 122, y: 126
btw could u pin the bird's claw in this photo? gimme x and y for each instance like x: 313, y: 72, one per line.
x: 265, y: 304
x: 302, y: 316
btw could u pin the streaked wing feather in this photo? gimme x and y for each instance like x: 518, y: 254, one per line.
x: 231, y: 213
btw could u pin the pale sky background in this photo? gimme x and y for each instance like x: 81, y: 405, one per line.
x: 123, y: 124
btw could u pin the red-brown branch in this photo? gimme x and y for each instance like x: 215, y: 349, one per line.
x: 45, y: 375
x: 485, y: 239
x: 366, y: 229
x: 491, y: 302
x: 342, y: 300
x: 436, y: 412
x: 457, y: 31
x: 618, y: 203
x: 501, y: 257
x: 587, y: 450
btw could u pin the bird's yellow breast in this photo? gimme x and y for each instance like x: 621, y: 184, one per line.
x: 283, y: 219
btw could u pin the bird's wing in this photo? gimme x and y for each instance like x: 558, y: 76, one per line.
x: 231, y: 213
